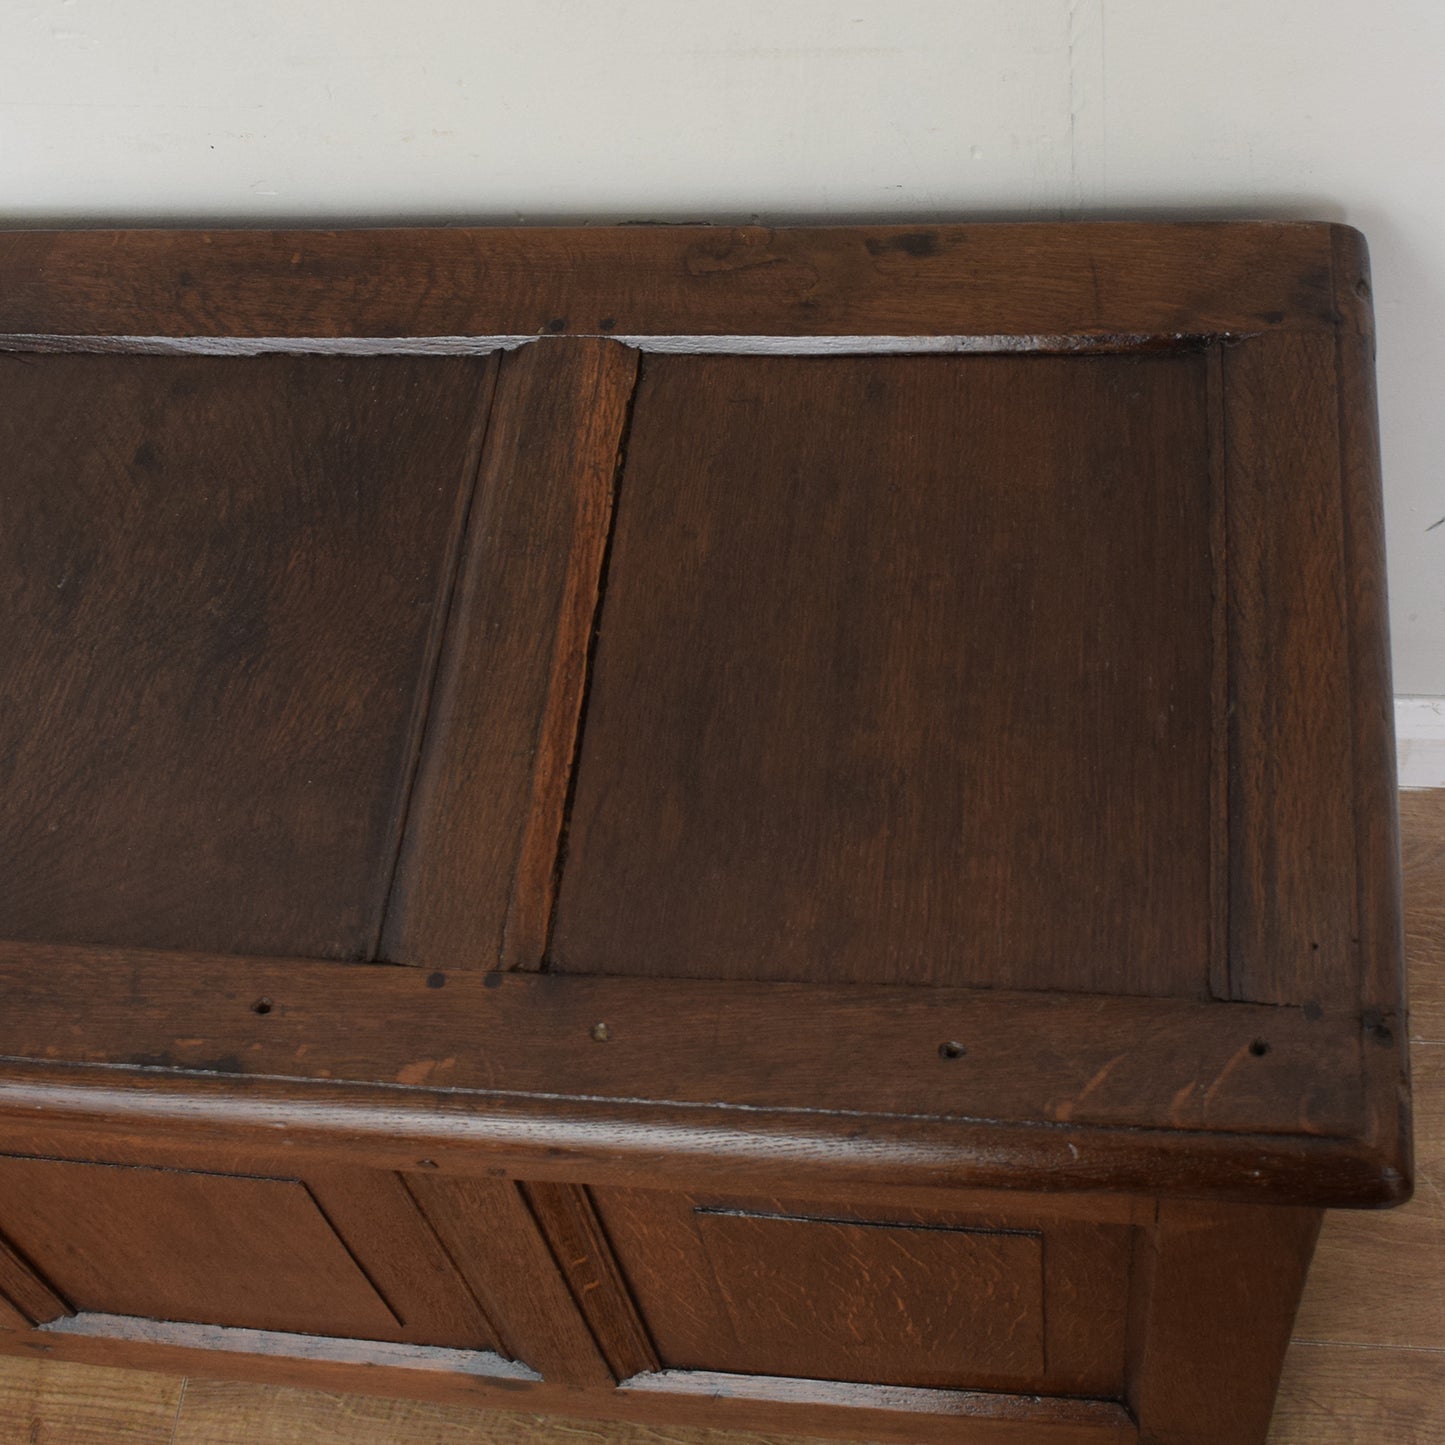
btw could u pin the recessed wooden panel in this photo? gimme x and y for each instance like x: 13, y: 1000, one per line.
x: 1004, y: 1298
x: 170, y: 1245
x: 904, y: 674
x: 771, y: 1289
x: 222, y: 578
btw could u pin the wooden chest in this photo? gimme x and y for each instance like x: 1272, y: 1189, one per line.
x: 780, y: 829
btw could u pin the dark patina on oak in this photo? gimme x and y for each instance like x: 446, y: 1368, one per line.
x: 779, y: 829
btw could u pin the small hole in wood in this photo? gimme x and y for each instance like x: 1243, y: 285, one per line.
x: 1259, y: 1048
x: 262, y: 1006
x: 1362, y: 289
x: 601, y: 1033
x: 952, y: 1049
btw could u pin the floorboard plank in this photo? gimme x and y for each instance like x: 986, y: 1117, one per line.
x: 1379, y: 1277
x: 1422, y: 834
x: 1336, y: 1395
x: 239, y: 1414
x: 42, y: 1403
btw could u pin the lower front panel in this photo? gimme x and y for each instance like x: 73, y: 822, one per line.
x: 891, y: 1296
x: 1007, y: 1318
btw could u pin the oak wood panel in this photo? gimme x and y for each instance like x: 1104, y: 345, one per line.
x: 212, y: 1248
x: 1294, y: 918
x: 1333, y: 1395
x: 378, y: 1220
x: 492, y: 1236
x: 897, y: 1296
x: 1108, y: 280
x: 868, y: 702
x: 222, y: 581
x: 807, y: 1296
x: 1215, y: 1293
x: 1378, y: 1278
x: 475, y: 881
x: 22, y: 1289
x: 568, y: 1219
x: 47, y: 1403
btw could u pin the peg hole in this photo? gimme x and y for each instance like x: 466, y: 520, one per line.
x: 1259, y: 1048
x: 951, y: 1049
x: 262, y: 1006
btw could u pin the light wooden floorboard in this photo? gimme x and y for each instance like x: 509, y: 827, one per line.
x: 1336, y: 1395
x: 239, y: 1414
x: 1367, y: 1365
x: 47, y: 1404
x: 1379, y: 1278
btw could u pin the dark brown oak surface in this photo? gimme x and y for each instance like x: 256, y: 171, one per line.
x: 174, y: 1246
x: 868, y: 704
x: 790, y: 828
x: 222, y: 586
x: 1107, y: 281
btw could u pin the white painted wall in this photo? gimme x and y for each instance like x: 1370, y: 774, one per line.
x: 260, y: 111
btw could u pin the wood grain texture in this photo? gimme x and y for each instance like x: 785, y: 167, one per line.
x: 207, y: 1247
x: 942, y: 1298
x: 1106, y: 279
x: 1294, y: 910
x: 495, y: 1242
x: 966, y: 1417
x: 221, y: 1413
x: 1215, y: 1297
x: 25, y: 1298
x: 1334, y: 1395
x: 568, y: 1219
x: 1422, y: 827
x: 862, y: 585
x: 884, y: 1304
x: 216, y: 637
x: 1329, y: 1394
x: 44, y: 1403
x: 475, y: 882
x: 764, y: 1405
x: 514, y: 1062
x: 868, y: 703
x: 377, y: 1219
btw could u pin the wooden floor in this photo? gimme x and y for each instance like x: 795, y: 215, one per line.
x: 1367, y: 1364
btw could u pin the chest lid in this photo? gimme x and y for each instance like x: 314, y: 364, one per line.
x: 919, y: 695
